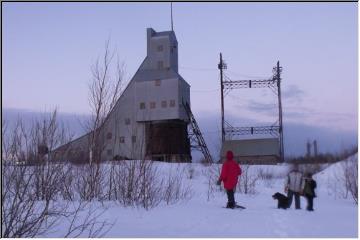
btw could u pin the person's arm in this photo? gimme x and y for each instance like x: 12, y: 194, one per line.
x: 314, y: 183
x: 218, y: 182
x: 302, y: 185
x: 223, y: 173
x: 287, y: 180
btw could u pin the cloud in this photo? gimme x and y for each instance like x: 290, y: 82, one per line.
x: 261, y: 107
x: 293, y: 94
x: 334, y: 120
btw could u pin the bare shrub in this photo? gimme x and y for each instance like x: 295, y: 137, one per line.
x: 89, y: 182
x: 335, y: 185
x: 111, y: 182
x: 24, y: 215
x: 31, y: 194
x: 212, y: 173
x: 149, y: 184
x: 344, y: 180
x: 267, y: 176
x: 350, y: 177
x: 247, y: 180
x: 67, y: 191
x: 139, y: 183
x: 136, y: 184
x: 174, y: 189
x: 190, y: 170
x: 21, y: 216
x: 83, y: 220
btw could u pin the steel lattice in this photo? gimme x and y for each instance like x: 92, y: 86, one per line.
x: 249, y: 84
x: 233, y: 131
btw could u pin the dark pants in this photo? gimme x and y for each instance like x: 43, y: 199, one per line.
x: 310, y: 202
x: 231, y: 198
x: 297, y: 198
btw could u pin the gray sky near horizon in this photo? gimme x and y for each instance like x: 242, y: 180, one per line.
x: 48, y: 50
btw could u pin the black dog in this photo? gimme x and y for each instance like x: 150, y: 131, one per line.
x: 283, y: 201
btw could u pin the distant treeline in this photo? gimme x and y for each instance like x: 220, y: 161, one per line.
x: 324, y: 158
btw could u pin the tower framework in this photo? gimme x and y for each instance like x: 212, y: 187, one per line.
x: 275, y: 130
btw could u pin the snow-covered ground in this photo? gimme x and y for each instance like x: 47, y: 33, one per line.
x: 198, y: 217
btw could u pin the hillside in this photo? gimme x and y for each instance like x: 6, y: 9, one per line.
x: 200, y: 217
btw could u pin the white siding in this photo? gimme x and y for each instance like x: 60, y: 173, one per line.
x: 148, y: 92
x: 116, y: 123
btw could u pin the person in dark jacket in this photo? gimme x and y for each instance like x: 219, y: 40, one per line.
x: 230, y: 172
x: 309, y: 186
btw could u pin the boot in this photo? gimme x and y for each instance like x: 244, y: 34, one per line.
x: 230, y: 205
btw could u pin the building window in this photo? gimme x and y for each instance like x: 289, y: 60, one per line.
x: 160, y: 64
x: 142, y: 105
x: 157, y: 82
x: 172, y: 103
x: 133, y: 139
x: 122, y: 139
x: 109, y: 135
x: 127, y: 121
x: 160, y: 48
x: 109, y: 152
x: 152, y: 105
x: 163, y: 104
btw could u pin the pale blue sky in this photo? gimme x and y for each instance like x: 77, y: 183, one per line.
x: 48, y: 49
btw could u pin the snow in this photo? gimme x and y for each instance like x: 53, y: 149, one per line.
x: 197, y: 217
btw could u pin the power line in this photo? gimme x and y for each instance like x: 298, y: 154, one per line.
x: 214, y: 69
x: 245, y: 75
x: 199, y: 69
x: 209, y: 90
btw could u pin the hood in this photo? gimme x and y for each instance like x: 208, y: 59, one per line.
x: 229, y: 155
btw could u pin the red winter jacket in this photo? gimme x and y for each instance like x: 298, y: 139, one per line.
x: 230, y: 172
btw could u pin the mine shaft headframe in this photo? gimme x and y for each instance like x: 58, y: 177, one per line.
x: 273, y: 83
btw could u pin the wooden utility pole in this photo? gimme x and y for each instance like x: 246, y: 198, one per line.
x: 221, y: 66
x: 278, y: 78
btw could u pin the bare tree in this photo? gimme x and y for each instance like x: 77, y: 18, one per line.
x: 104, y: 91
x: 32, y: 183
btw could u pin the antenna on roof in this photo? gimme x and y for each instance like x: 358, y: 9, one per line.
x: 172, y: 25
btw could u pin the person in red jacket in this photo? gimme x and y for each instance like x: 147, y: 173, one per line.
x: 230, y: 172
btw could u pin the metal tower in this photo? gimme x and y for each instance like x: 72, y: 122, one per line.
x: 274, y: 83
